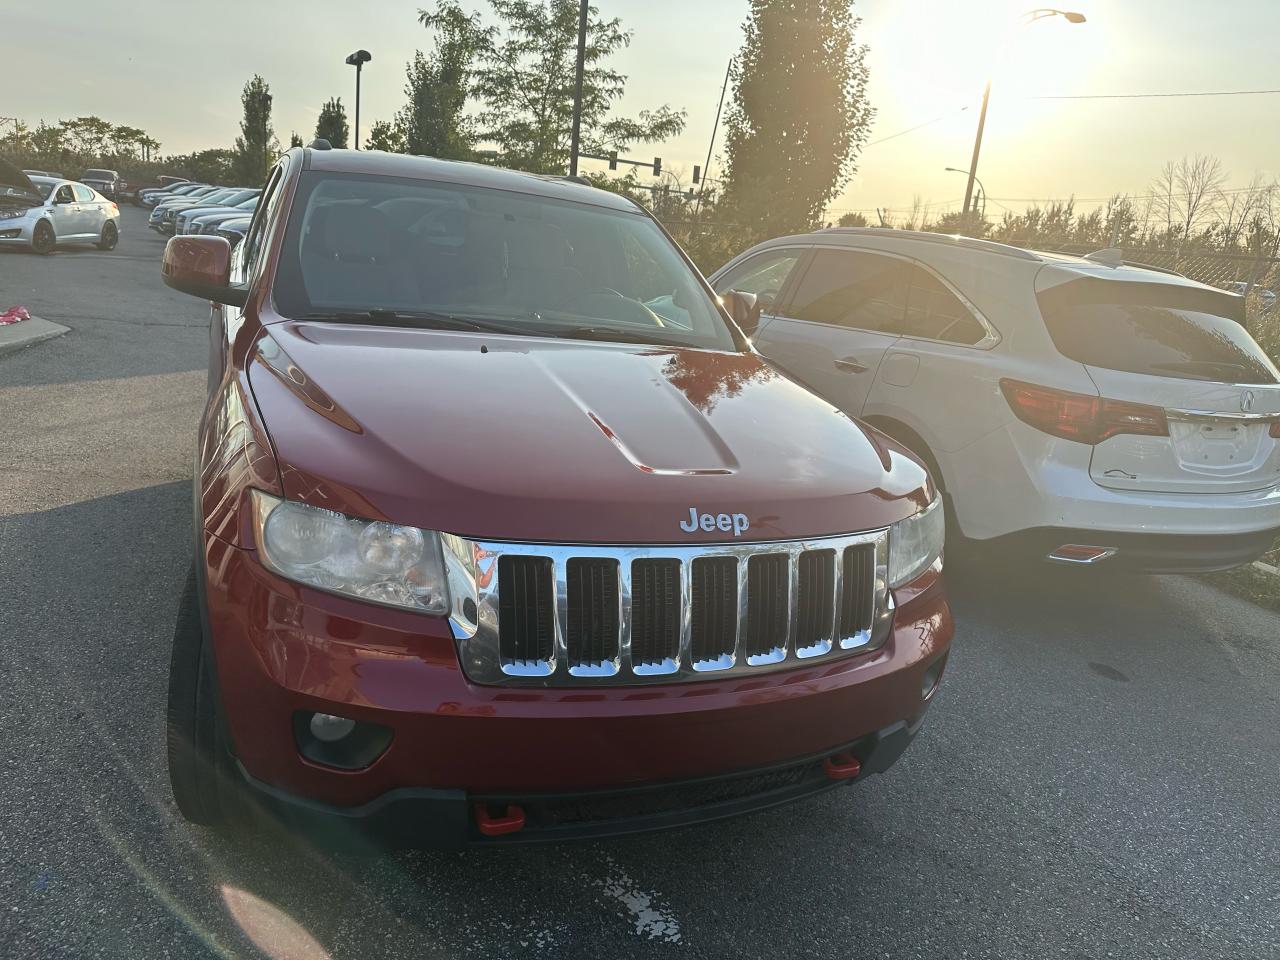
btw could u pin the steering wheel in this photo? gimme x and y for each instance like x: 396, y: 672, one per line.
x: 635, y: 311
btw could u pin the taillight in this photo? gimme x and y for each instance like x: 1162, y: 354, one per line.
x: 1275, y: 429
x: 1080, y: 417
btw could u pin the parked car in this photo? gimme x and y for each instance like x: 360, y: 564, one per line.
x: 184, y: 214
x: 106, y: 182
x: 41, y: 213
x: 208, y: 221
x: 487, y: 549
x: 1071, y: 408
x: 233, y: 231
x: 1266, y: 297
x: 135, y: 190
x: 43, y: 173
x: 149, y: 198
x: 160, y: 217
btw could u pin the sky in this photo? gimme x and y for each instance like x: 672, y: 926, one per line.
x: 176, y: 70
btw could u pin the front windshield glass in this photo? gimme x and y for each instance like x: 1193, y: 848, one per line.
x: 97, y: 175
x: 546, y: 266
x: 43, y: 188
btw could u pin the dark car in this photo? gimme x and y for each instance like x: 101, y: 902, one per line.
x: 504, y: 532
x: 106, y: 182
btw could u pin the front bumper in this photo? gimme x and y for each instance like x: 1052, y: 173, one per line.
x: 281, y: 649
x: 448, y: 819
x: 17, y: 231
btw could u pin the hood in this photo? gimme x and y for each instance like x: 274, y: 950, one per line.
x: 16, y: 186
x: 514, y: 438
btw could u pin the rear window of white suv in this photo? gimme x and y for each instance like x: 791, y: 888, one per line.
x: 1158, y: 329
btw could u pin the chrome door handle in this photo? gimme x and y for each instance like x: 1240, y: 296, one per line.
x: 851, y: 365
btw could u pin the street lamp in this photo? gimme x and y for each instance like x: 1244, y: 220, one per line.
x: 982, y: 189
x: 1031, y: 16
x: 358, y: 60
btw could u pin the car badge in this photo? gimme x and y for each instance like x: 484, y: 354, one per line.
x: 1246, y: 401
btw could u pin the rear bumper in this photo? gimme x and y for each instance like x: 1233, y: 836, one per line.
x: 1145, y: 552
x: 1017, y: 480
x: 281, y: 649
x: 446, y: 819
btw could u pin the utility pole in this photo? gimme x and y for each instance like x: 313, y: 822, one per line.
x: 576, y: 136
x: 715, y: 127
x: 977, y: 148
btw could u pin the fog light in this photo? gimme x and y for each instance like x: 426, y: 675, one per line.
x: 329, y: 729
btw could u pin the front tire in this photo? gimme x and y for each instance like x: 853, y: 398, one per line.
x: 200, y: 770
x: 43, y: 239
x: 110, y: 236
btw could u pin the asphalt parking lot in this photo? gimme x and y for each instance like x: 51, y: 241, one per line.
x: 1100, y: 776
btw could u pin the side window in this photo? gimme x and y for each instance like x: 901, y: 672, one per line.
x: 850, y: 288
x: 263, y: 218
x: 83, y: 194
x: 765, y: 274
x: 64, y: 195
x: 935, y: 313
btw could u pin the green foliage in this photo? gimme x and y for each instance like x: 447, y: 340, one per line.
x: 385, y: 136
x: 526, y: 82
x: 295, y: 139
x: 433, y: 122
x: 256, y: 146
x: 332, y: 124
x: 799, y: 114
x: 209, y: 166
x: 852, y: 219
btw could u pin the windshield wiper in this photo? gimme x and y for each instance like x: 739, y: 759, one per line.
x: 611, y: 333
x: 422, y: 319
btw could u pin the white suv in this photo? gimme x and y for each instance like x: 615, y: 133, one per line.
x: 1075, y: 408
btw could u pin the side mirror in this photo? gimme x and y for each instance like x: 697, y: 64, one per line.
x: 745, y: 310
x: 201, y: 266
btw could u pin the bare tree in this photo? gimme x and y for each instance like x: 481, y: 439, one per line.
x: 1186, y: 192
x: 1239, y: 208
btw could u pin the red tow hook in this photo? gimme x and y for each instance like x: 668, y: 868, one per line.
x: 842, y: 766
x: 511, y: 822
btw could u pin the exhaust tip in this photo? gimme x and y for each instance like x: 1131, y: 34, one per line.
x: 1081, y: 553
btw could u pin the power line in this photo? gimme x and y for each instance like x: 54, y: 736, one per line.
x: 1122, y: 195
x: 918, y: 126
x: 1147, y: 96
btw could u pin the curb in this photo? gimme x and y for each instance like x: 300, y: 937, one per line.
x: 1266, y: 568
x: 16, y: 336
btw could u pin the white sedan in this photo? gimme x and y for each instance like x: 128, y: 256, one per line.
x: 44, y: 212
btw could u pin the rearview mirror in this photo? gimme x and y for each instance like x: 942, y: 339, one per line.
x: 201, y: 266
x: 745, y: 310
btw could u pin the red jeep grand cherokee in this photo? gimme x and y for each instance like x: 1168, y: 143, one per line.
x: 504, y: 532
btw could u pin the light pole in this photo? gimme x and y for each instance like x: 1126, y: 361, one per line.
x: 1031, y: 16
x: 982, y: 189
x: 575, y: 135
x: 358, y: 60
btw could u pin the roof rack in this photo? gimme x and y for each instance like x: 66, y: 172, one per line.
x: 574, y: 178
x: 971, y: 243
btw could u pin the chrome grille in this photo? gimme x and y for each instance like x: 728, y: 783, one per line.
x: 550, y: 614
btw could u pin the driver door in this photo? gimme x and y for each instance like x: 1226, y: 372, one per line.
x: 63, y: 213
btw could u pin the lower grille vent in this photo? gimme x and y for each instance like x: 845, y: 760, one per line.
x: 714, y: 596
x: 655, y: 612
x: 591, y: 633
x: 526, y: 601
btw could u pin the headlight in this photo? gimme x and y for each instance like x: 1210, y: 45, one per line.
x: 914, y: 543
x: 368, y: 559
x: 13, y: 214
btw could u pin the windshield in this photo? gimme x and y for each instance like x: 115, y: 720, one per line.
x: 1155, y: 328
x: 544, y: 266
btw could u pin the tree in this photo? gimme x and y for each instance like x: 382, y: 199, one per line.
x: 332, y: 125
x: 851, y: 219
x: 433, y: 122
x: 257, y: 141
x: 1187, y: 192
x: 295, y: 139
x: 799, y: 114
x: 526, y: 83
x: 384, y: 135
x: 86, y: 135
